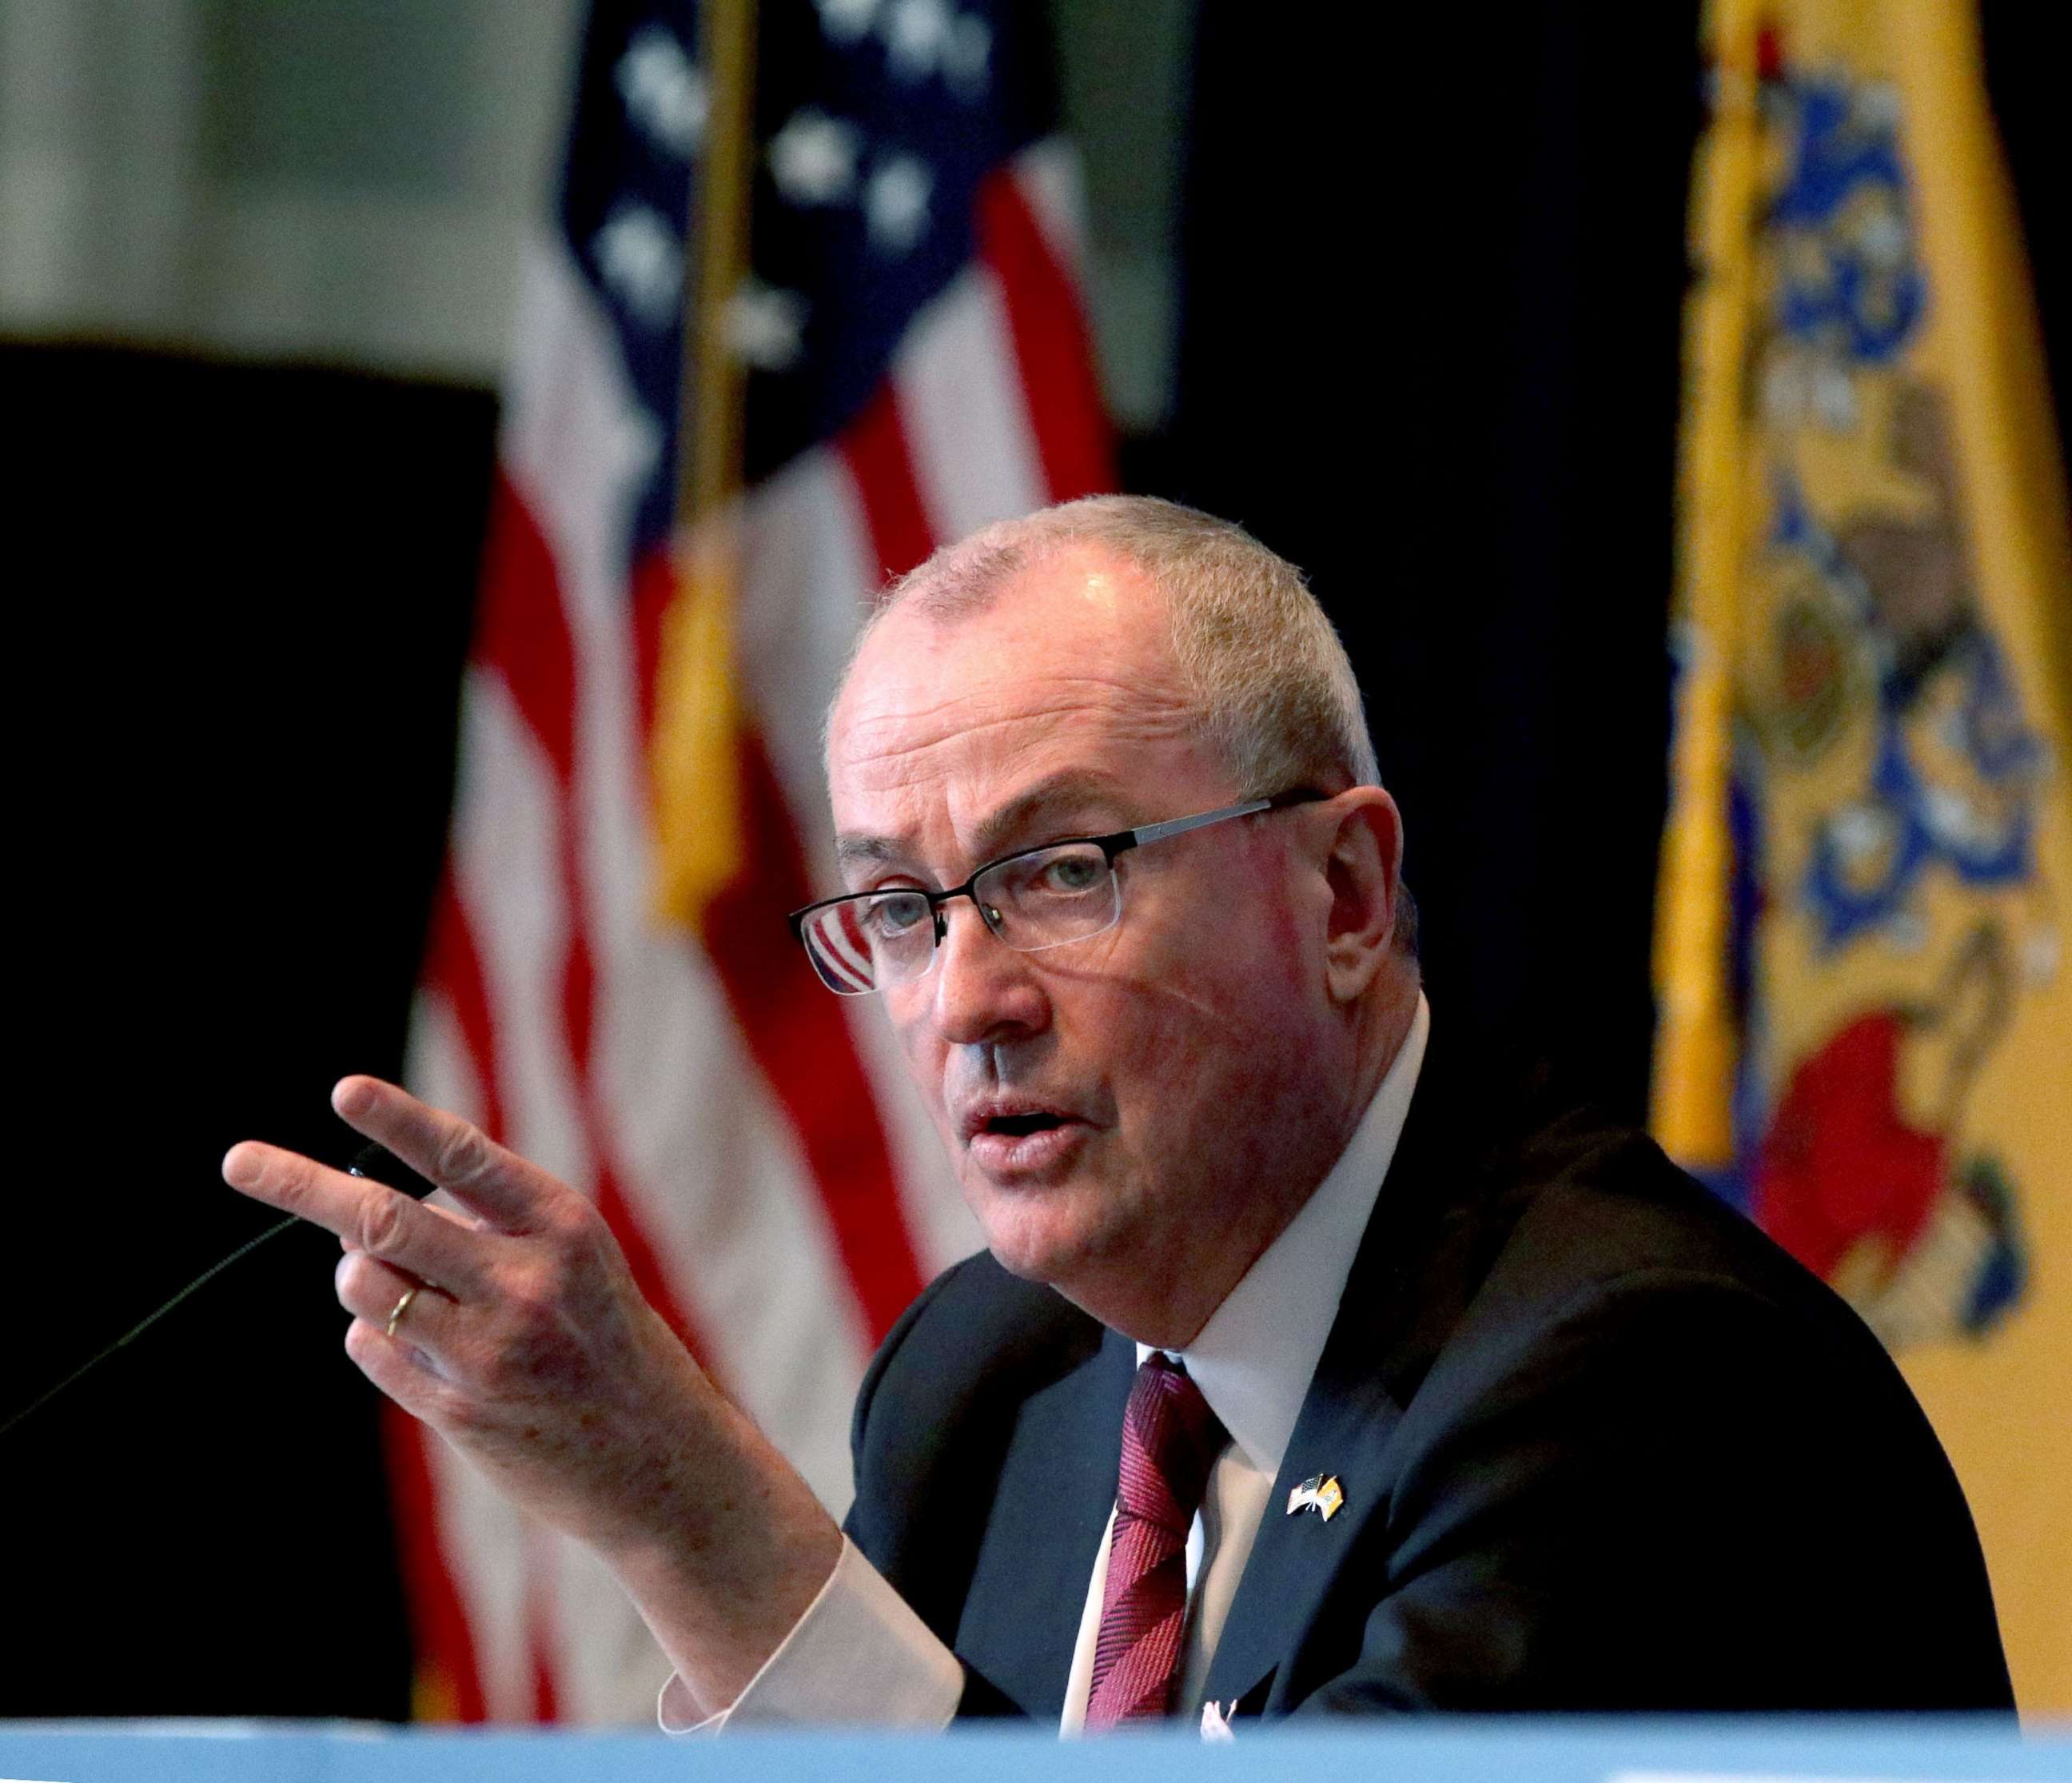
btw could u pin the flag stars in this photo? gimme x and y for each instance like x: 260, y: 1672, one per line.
x: 967, y: 56
x: 895, y: 203
x: 764, y: 326
x: 921, y: 38
x: 665, y: 94
x: 642, y: 262
x: 847, y: 20
x: 813, y: 158
x: 917, y: 32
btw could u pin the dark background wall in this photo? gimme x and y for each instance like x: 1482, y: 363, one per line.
x: 246, y: 594
x: 1429, y: 352
x: 1432, y: 271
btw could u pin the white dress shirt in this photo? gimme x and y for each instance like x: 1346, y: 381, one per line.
x: 859, y: 1654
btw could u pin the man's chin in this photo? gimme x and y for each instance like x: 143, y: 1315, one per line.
x: 1048, y: 1236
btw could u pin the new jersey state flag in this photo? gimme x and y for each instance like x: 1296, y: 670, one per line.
x: 1865, y: 1032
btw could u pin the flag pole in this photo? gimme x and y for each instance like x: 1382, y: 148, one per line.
x: 693, y: 749
x: 1695, y: 1042
x: 716, y: 260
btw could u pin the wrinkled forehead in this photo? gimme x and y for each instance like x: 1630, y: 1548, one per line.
x: 962, y: 734
x: 1078, y: 620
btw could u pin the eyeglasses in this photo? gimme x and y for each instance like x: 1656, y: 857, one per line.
x: 1034, y: 899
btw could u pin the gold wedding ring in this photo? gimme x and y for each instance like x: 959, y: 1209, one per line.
x: 402, y: 1306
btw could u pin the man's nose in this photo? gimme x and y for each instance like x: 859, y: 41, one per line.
x: 982, y: 989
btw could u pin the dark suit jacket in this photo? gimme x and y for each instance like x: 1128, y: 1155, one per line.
x: 1604, y: 1447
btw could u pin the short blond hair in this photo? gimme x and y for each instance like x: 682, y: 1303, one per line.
x: 1275, y: 691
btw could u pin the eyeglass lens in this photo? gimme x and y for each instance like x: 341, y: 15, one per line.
x: 1030, y: 901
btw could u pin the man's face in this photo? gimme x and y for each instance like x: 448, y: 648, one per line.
x: 1126, y: 1105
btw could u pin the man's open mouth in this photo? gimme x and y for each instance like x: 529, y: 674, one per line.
x: 1008, y: 1137
x: 1016, y: 1126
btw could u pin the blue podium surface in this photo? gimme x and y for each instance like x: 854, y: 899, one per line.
x: 1426, y: 1750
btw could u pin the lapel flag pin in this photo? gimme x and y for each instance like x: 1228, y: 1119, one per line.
x: 1320, y: 1492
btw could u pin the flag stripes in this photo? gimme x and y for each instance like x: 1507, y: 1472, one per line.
x: 798, y: 1035
x: 780, y: 1197
x: 1051, y: 350
x: 875, y: 450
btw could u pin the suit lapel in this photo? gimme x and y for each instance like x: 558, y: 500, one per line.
x: 1057, y: 1486
x: 1402, y: 1295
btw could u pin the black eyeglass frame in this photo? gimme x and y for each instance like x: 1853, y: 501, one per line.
x: 1117, y: 842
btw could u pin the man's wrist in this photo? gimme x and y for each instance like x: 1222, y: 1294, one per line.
x: 718, y: 1621
x: 858, y: 1656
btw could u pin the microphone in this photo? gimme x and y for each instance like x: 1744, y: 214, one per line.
x: 373, y: 1161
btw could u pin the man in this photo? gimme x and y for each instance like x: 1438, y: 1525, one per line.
x: 1310, y: 1367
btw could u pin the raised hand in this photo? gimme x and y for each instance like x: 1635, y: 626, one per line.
x: 526, y: 1345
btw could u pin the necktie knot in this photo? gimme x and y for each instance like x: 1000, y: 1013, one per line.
x: 1169, y: 1440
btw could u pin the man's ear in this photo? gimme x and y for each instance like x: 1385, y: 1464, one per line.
x: 1364, y: 871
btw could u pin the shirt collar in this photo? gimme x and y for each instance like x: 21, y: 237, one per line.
x: 1254, y: 1359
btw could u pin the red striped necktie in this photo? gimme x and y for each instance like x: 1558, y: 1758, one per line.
x: 1169, y: 1438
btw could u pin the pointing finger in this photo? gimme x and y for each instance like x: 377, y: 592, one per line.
x: 500, y: 1186
x: 466, y: 1222
x: 389, y: 1227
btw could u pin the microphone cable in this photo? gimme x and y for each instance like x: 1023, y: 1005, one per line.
x: 375, y: 1163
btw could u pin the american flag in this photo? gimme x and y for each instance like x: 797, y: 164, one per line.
x: 916, y: 366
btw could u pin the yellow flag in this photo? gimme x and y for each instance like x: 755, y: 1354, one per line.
x: 1866, y: 1010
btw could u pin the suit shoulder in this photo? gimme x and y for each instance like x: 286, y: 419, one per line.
x: 1603, y: 1205
x: 1590, y: 1241
x: 976, y: 1330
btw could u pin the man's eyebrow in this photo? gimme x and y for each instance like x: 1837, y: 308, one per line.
x: 1070, y: 789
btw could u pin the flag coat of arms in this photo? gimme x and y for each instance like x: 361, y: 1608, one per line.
x: 1865, y: 1035
x: 806, y: 309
